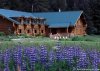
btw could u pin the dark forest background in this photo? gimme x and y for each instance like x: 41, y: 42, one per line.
x: 91, y: 9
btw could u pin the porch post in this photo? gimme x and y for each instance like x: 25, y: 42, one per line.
x: 67, y: 31
x: 75, y: 30
x: 50, y: 30
x: 14, y: 28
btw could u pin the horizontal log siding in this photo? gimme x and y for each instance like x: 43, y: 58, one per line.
x: 80, y: 28
x: 6, y: 26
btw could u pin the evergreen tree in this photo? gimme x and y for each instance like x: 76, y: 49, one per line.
x: 90, y: 8
x: 96, y: 14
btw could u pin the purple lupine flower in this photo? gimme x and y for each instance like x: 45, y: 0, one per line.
x: 26, y: 53
x: 58, y: 53
x: 83, y: 61
x: 70, y: 55
x: 64, y: 51
x: 1, y: 56
x: 17, y: 56
x: 94, y: 57
x: 32, y: 58
x: 23, y: 66
x: 7, y: 69
x: 6, y: 58
x: 43, y: 55
x: 77, y: 51
x: 51, y: 57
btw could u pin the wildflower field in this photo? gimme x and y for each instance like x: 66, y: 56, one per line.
x: 60, y: 58
x: 44, y: 54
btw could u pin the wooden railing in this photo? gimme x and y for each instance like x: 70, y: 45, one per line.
x: 61, y: 36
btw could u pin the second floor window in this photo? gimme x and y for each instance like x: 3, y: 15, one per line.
x: 20, y: 31
x: 35, y: 31
x: 1, y: 21
x: 28, y: 31
x: 42, y: 31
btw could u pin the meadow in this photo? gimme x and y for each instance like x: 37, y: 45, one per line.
x: 21, y: 53
x: 58, y: 58
x: 84, y: 41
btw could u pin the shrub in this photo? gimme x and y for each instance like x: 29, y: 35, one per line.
x: 5, y: 38
x: 2, y: 33
x: 78, y: 38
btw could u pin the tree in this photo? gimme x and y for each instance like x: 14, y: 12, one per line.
x: 39, y: 5
x: 90, y: 8
x: 55, y: 5
x: 92, y: 14
x: 96, y: 14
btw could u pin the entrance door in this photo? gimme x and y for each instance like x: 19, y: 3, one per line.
x: 53, y: 31
x: 70, y: 29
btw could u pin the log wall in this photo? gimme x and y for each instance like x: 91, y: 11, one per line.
x: 6, y: 26
x: 39, y: 28
x: 80, y: 28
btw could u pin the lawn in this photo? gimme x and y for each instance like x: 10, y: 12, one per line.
x: 85, y: 42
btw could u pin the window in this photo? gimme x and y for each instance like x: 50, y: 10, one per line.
x: 8, y: 27
x: 28, y: 31
x: 1, y: 21
x: 41, y: 31
x: 35, y: 31
x: 27, y: 21
x: 20, y: 30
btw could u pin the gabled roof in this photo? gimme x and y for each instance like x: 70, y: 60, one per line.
x: 53, y: 19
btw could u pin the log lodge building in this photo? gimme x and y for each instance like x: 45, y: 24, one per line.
x: 45, y: 23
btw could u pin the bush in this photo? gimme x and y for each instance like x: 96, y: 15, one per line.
x: 4, y: 38
x: 2, y: 33
x: 68, y: 39
x: 22, y: 36
x: 86, y: 38
x: 78, y: 38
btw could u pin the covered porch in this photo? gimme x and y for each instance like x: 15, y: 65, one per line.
x: 62, y: 32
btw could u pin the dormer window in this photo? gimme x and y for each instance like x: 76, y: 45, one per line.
x: 41, y: 21
x: 27, y: 21
x: 44, y: 21
x: 22, y: 21
x: 30, y: 21
x: 36, y: 21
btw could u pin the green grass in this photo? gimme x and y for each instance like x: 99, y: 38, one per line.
x: 88, y: 42
x: 86, y: 38
x: 49, y: 44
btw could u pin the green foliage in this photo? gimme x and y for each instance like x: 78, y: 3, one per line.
x: 24, y: 36
x: 83, y: 41
x: 86, y: 38
x: 5, y: 38
x: 78, y: 38
x: 90, y: 8
x: 1, y: 65
x: 2, y: 33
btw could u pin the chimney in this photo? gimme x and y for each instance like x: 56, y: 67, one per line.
x: 59, y: 10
